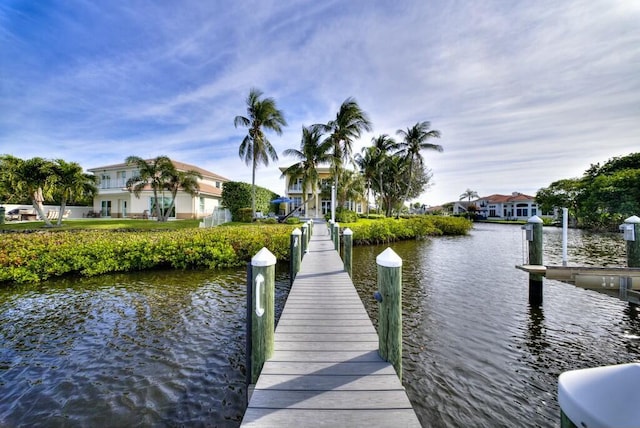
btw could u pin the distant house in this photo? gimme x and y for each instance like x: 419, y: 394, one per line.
x: 316, y: 205
x: 114, y: 200
x: 516, y: 206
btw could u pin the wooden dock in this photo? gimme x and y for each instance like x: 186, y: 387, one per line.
x: 326, y: 370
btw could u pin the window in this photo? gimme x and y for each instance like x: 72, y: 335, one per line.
x: 105, y: 181
x: 326, y: 207
x: 121, y: 178
x: 201, y: 204
x: 105, y: 210
x: 296, y: 186
x: 218, y: 184
x: 297, y: 201
x: 534, y: 211
x: 165, y: 202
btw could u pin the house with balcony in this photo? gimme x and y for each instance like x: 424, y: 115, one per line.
x: 114, y: 200
x: 310, y: 204
x: 516, y: 206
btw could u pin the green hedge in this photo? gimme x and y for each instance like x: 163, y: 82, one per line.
x: 237, y: 195
x: 33, y: 257
x: 389, y: 229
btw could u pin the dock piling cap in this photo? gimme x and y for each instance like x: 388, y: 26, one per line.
x: 389, y: 258
x: 601, y: 397
x: 632, y: 219
x: 264, y: 257
x: 535, y: 219
x: 296, y: 231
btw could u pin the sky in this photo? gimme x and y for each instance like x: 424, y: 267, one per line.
x: 523, y: 92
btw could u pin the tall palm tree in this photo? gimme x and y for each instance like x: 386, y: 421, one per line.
x: 186, y: 181
x: 70, y: 181
x: 32, y: 178
x: 154, y: 173
x: 468, y: 194
x: 414, y: 140
x: 311, y: 154
x: 348, y: 125
x: 255, y: 147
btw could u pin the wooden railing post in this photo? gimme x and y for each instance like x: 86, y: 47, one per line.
x: 348, y: 249
x: 389, y: 295
x: 631, y: 229
x: 336, y: 237
x: 263, y: 269
x: 305, y: 238
x: 310, y: 223
x: 295, y: 254
x: 330, y: 226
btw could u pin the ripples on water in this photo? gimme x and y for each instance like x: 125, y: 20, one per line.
x: 147, y: 349
x: 475, y: 353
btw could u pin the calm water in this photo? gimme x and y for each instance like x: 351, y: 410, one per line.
x: 167, y: 348
x: 475, y: 353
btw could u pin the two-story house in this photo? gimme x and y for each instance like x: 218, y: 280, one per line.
x: 516, y: 206
x: 315, y: 206
x: 114, y: 200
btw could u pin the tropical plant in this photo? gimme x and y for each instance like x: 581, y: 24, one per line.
x: 414, y: 140
x: 187, y: 181
x: 255, y: 147
x: 154, y: 173
x: 342, y: 131
x: 32, y: 178
x: 71, y: 182
x: 311, y: 154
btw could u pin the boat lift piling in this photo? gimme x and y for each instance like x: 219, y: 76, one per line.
x: 533, y: 235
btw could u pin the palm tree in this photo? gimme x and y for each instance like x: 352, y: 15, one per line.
x: 468, y: 194
x: 255, y: 147
x: 414, y: 140
x: 348, y: 125
x: 154, y: 173
x: 32, y: 178
x: 311, y: 154
x: 186, y: 181
x: 70, y: 181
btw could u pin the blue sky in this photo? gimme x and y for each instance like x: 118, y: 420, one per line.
x: 523, y: 92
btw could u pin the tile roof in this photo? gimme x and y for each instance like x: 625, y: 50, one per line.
x: 181, y: 166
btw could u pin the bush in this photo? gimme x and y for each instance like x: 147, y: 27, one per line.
x: 237, y: 195
x: 38, y: 256
x: 245, y: 215
x: 292, y: 220
x: 372, y: 216
x: 346, y: 216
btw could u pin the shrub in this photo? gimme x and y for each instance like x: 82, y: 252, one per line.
x: 237, y: 195
x: 292, y: 220
x: 245, y: 215
x: 346, y: 216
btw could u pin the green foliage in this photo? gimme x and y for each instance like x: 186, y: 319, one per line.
x: 292, y: 220
x: 602, y: 198
x: 389, y: 229
x: 344, y: 215
x: 37, y: 256
x: 372, y: 216
x: 237, y: 195
x: 245, y: 215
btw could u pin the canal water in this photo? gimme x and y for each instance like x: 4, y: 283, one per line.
x: 167, y: 348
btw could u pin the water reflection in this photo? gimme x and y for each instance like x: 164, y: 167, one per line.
x: 146, y: 349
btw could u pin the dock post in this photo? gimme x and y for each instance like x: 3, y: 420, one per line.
x: 631, y: 228
x: 348, y: 250
x: 263, y: 270
x: 309, y: 233
x: 336, y: 237
x: 310, y: 222
x: 304, y: 238
x: 295, y: 254
x: 389, y: 295
x: 534, y: 237
x: 330, y: 226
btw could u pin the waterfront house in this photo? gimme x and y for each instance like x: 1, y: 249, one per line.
x: 516, y: 206
x: 316, y: 205
x: 114, y: 200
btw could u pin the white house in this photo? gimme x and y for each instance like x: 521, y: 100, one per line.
x: 516, y: 206
x: 114, y: 200
x: 316, y: 206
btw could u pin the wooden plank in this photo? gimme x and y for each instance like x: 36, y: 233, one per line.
x: 327, y: 356
x: 313, y: 382
x: 325, y: 346
x: 328, y: 369
x: 322, y: 322
x: 326, y: 337
x: 276, y: 399
x: 312, y: 418
x: 326, y: 329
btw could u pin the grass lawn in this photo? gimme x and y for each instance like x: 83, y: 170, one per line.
x: 102, y: 224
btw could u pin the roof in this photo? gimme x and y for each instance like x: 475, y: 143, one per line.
x: 501, y: 199
x: 181, y: 166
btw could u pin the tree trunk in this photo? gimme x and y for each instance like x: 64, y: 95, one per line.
x: 63, y: 206
x: 36, y: 200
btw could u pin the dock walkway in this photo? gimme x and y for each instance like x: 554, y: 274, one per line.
x: 326, y: 370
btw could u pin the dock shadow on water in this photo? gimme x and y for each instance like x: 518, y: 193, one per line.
x: 475, y: 353
x: 143, y: 349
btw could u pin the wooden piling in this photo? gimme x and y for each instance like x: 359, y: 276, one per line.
x: 534, y: 238
x: 633, y: 246
x: 304, y: 238
x: 336, y: 237
x: 390, y: 317
x: 263, y: 271
x: 295, y: 254
x: 348, y: 250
